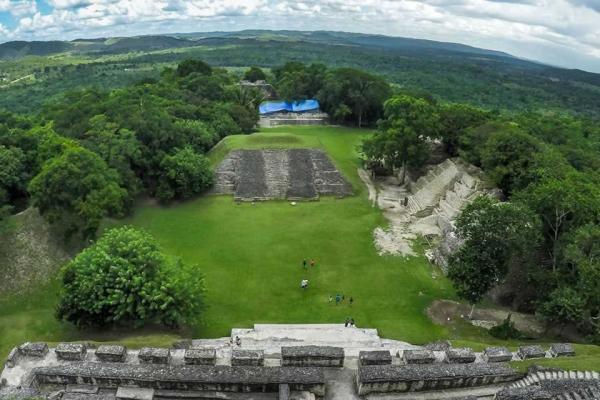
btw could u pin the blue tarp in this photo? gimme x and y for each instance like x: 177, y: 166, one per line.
x: 268, y: 107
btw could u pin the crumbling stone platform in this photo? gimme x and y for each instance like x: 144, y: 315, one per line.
x: 294, y: 174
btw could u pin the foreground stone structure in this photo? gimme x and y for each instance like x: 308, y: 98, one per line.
x: 295, y: 174
x: 418, y: 378
x: 312, y: 356
x: 283, y: 362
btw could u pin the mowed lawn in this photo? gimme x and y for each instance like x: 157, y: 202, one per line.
x: 251, y: 254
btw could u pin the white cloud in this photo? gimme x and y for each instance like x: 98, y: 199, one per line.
x: 524, y: 27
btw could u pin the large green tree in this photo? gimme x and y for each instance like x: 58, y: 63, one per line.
x: 359, y: 91
x: 455, y: 119
x: 78, y: 189
x: 493, y: 234
x: 254, y: 74
x: 184, y: 174
x: 125, y: 279
x: 401, y: 140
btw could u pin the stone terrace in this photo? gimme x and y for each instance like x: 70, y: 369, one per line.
x: 295, y: 174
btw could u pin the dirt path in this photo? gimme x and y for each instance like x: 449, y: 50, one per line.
x: 366, y: 178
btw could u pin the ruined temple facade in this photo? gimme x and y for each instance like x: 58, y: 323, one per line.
x: 286, y: 362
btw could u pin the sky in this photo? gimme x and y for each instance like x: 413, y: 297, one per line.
x: 558, y: 32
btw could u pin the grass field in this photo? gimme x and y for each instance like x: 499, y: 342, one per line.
x: 251, y: 258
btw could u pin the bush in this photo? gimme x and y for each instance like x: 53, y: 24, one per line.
x: 506, y: 330
x: 124, y: 278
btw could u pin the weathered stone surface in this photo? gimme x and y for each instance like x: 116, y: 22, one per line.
x: 154, y: 355
x: 13, y: 358
x: 460, y: 356
x: 38, y: 349
x: 184, y: 377
x: 497, y: 354
x: 111, y: 353
x: 134, y: 393
x: 87, y: 389
x: 14, y: 393
x: 295, y: 174
x: 416, y: 378
x: 562, y: 350
x: 532, y: 351
x: 315, y: 356
x: 199, y: 356
x: 87, y: 396
x: 71, y: 351
x: 523, y: 393
x: 421, y: 356
x: 247, y: 358
x: 382, y: 357
x: 441, y: 345
x: 284, y: 391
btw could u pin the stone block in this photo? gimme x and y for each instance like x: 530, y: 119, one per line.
x: 497, y: 354
x: 460, y: 356
x: 199, y: 356
x: 38, y: 349
x: 531, y: 351
x: 154, y: 355
x: 562, y: 350
x: 284, y: 391
x: 377, y: 357
x: 312, y: 356
x: 134, y: 393
x: 85, y: 389
x: 247, y: 358
x: 71, y: 351
x: 111, y: 353
x: 191, y: 378
x: 422, y: 378
x: 420, y: 356
x: 13, y: 358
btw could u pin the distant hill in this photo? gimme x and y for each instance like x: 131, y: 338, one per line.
x: 13, y: 50
x: 446, y: 71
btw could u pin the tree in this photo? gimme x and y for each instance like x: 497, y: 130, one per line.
x: 124, y: 279
x: 254, y: 74
x: 361, y: 92
x: 506, y: 157
x: 455, y: 119
x: 401, y: 140
x: 78, y: 189
x: 564, y: 305
x: 562, y: 204
x: 13, y: 177
x: 493, y: 235
x: 187, y: 67
x: 184, y: 174
x: 296, y: 81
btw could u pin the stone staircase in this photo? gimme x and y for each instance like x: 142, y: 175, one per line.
x: 589, y: 391
x: 225, y: 175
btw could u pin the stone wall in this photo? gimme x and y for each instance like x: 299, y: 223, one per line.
x: 418, y: 378
x: 182, y: 378
x: 313, y: 356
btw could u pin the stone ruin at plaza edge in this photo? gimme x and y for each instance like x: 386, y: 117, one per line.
x: 288, y: 362
x: 295, y: 174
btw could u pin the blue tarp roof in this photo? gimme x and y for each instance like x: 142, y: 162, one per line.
x: 268, y: 107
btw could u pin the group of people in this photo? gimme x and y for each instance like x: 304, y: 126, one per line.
x: 237, y: 341
x: 305, y: 264
x: 349, y: 322
x: 340, y: 298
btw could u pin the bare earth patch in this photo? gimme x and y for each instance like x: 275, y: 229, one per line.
x: 445, y: 312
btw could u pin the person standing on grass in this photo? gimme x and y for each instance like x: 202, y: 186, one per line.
x: 352, y: 322
x: 347, y: 322
x: 304, y: 263
x: 338, y: 298
x: 312, y: 262
x: 351, y: 300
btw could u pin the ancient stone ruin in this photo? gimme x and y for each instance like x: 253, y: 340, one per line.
x: 427, y: 207
x: 295, y: 174
x: 287, y: 362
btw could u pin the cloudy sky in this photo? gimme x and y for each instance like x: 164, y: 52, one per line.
x: 558, y: 32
